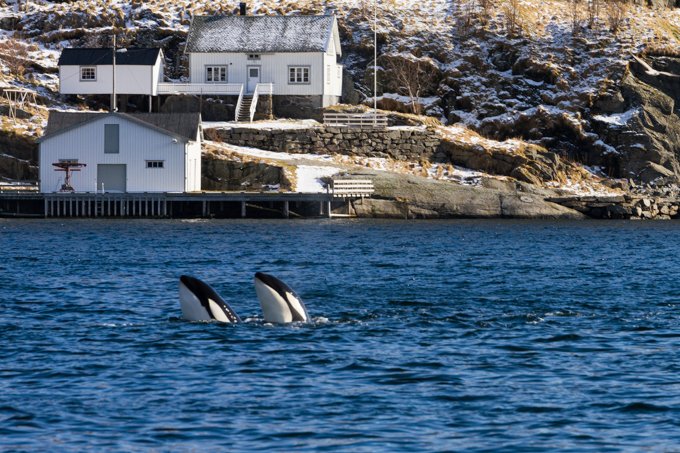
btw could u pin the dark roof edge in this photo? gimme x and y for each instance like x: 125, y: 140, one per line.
x: 98, y: 115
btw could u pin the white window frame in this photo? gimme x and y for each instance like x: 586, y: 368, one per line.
x: 155, y: 164
x: 298, y: 74
x: 210, y: 73
x: 93, y: 70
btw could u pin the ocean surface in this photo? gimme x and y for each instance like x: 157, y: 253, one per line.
x: 427, y: 336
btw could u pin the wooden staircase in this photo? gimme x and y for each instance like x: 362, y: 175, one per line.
x: 244, y: 111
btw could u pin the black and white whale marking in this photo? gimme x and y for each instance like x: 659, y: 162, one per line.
x: 200, y: 302
x: 279, y: 302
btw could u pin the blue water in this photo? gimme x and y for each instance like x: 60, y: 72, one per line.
x: 427, y: 336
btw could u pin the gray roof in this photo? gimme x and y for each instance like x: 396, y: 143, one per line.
x: 260, y: 34
x: 183, y: 126
x: 104, y: 56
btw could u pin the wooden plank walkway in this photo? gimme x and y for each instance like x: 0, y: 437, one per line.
x: 165, y: 205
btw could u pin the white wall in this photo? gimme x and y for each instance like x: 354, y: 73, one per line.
x: 333, y: 84
x: 130, y: 79
x: 274, y: 69
x: 193, y: 166
x: 137, y: 145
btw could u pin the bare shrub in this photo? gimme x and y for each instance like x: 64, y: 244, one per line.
x: 512, y: 12
x: 15, y: 55
x: 412, y: 76
x: 617, y: 12
x: 593, y: 11
x: 576, y: 13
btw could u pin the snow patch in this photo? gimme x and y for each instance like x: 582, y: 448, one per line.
x: 617, y: 119
x: 309, y: 178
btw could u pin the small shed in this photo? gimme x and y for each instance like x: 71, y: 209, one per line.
x: 90, y: 71
x: 138, y: 152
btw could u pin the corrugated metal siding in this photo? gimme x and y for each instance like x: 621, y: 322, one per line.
x: 129, y: 80
x: 274, y: 69
x: 193, y: 165
x: 137, y: 145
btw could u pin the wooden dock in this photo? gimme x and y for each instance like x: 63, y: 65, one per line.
x: 169, y: 205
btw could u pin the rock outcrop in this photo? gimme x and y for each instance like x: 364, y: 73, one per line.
x: 401, y: 196
x: 640, y: 122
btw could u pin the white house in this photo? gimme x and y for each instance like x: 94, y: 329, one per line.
x: 90, y: 71
x: 141, y: 152
x: 293, y: 57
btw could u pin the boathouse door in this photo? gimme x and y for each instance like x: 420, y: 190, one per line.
x: 253, y: 78
x: 111, y: 177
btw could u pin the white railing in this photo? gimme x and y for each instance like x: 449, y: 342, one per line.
x: 260, y: 88
x: 372, y: 120
x: 351, y: 188
x: 265, y: 88
x: 226, y: 89
x: 253, y: 102
x: 237, y: 111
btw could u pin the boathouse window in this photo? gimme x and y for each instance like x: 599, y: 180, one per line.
x: 88, y: 73
x: 253, y: 56
x: 154, y: 164
x: 298, y: 74
x: 111, y: 138
x: 215, y: 73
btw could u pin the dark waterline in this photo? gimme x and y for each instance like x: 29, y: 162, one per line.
x: 456, y: 335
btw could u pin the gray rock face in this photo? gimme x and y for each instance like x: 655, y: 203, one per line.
x: 646, y: 134
x: 232, y: 175
x: 18, y: 157
x: 399, y: 196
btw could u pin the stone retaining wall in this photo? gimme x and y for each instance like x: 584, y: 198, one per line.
x: 401, y: 143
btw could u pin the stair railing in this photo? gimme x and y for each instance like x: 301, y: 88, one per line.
x: 238, y: 104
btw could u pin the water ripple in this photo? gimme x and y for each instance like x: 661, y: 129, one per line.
x: 490, y: 336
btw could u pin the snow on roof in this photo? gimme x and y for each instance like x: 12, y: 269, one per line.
x: 259, y: 34
x: 103, y: 56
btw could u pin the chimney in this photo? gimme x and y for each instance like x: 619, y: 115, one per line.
x: 242, y: 8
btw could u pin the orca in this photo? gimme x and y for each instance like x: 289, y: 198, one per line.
x: 280, y: 304
x: 199, y: 302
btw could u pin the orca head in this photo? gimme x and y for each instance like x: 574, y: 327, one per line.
x: 199, y: 302
x: 280, y: 304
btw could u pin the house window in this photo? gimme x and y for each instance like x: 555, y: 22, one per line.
x: 111, y: 138
x: 298, y: 74
x: 154, y: 164
x: 88, y: 73
x: 253, y: 56
x: 215, y: 73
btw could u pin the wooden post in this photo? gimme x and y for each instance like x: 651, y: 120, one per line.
x: 328, y: 209
x: 243, y: 209
x: 45, y: 208
x: 205, y: 212
x: 286, y: 211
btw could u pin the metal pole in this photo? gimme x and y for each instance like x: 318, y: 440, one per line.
x: 114, y: 107
x: 375, y: 63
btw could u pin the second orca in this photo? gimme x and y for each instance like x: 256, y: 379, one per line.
x: 280, y: 304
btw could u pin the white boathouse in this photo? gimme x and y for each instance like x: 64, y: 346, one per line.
x: 140, y: 152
